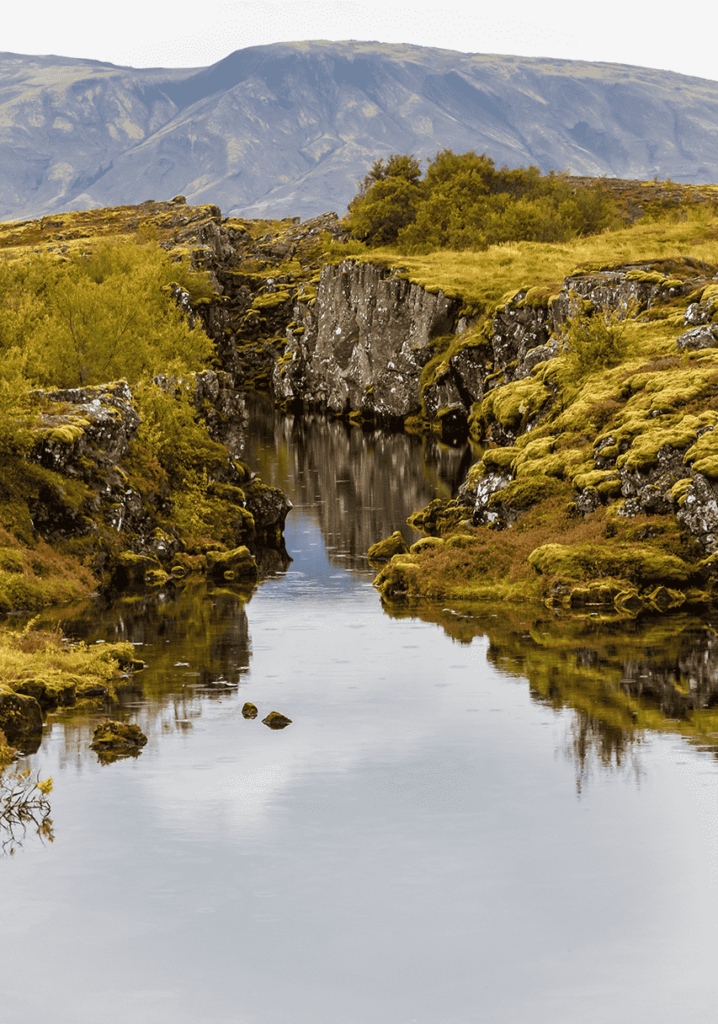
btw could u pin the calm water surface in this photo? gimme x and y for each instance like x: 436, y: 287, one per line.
x: 432, y: 840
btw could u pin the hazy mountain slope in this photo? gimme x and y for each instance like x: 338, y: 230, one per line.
x: 291, y: 127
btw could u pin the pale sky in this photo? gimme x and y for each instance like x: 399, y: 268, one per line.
x: 180, y: 33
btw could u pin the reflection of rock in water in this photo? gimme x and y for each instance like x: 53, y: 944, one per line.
x: 594, y: 741
x: 364, y: 483
x: 620, y: 677
x: 679, y: 680
x: 195, y: 642
x: 272, y: 560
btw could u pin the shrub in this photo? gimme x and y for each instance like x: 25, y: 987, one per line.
x: 99, y: 317
x: 595, y: 340
x: 464, y: 202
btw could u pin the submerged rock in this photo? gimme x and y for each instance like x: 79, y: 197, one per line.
x: 117, y: 737
x: 276, y: 720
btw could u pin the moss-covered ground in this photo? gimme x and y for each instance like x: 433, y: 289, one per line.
x: 651, y: 398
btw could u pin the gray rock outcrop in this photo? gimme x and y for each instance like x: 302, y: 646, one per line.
x: 364, y: 344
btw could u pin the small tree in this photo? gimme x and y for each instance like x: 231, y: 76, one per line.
x: 107, y: 316
x: 595, y: 340
x: 386, y: 201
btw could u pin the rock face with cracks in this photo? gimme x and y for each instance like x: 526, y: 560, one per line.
x: 364, y: 343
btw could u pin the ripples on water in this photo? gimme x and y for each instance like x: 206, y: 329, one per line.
x: 477, y: 815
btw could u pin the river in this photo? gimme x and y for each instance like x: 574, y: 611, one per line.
x: 462, y: 823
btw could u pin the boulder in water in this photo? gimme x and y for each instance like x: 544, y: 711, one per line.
x: 385, y: 549
x: 275, y: 720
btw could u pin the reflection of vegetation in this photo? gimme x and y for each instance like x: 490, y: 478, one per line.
x: 23, y: 806
x: 369, y: 479
x: 621, y: 678
x: 197, y: 624
x: 40, y: 670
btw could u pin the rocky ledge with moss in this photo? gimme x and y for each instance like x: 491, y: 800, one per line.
x: 596, y: 401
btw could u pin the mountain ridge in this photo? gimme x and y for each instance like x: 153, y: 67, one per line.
x: 289, y: 128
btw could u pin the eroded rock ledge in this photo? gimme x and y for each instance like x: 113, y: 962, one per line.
x: 100, y: 498
x: 598, y: 486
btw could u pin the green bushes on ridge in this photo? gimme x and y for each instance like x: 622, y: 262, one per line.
x: 464, y: 202
x: 97, y: 317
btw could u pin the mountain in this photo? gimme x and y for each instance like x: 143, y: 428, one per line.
x: 290, y: 128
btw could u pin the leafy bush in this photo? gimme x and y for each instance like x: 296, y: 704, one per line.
x: 386, y: 201
x: 175, y: 435
x: 464, y: 202
x: 594, y: 340
x: 99, y: 317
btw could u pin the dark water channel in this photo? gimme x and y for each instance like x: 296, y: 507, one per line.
x: 477, y: 815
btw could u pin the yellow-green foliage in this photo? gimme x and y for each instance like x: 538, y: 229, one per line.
x: 483, y: 279
x: 32, y: 574
x: 594, y: 341
x: 177, y: 437
x: 40, y: 663
x: 99, y: 317
x: 387, y: 199
x: 16, y: 410
x: 465, y: 203
x: 174, y: 453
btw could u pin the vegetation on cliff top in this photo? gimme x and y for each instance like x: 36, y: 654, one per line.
x: 86, y: 298
x: 619, y: 386
x: 464, y: 202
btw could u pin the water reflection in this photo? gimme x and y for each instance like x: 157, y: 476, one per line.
x: 413, y: 825
x: 350, y: 486
x: 621, y: 677
x: 362, y: 483
x: 194, y: 639
x: 24, y: 809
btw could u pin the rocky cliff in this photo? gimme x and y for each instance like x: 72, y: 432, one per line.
x: 363, y: 343
x: 608, y: 457
x: 92, y: 493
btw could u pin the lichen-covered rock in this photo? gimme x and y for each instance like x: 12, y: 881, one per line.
x: 276, y: 720
x: 269, y: 508
x: 633, y: 285
x: 49, y: 692
x: 699, y: 511
x: 20, y: 715
x: 705, y: 336
x: 634, y: 561
x: 385, y: 549
x: 249, y: 710
x: 94, y: 432
x: 131, y: 570
x: 477, y: 493
x: 438, y: 517
x: 117, y: 737
x: 237, y: 564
